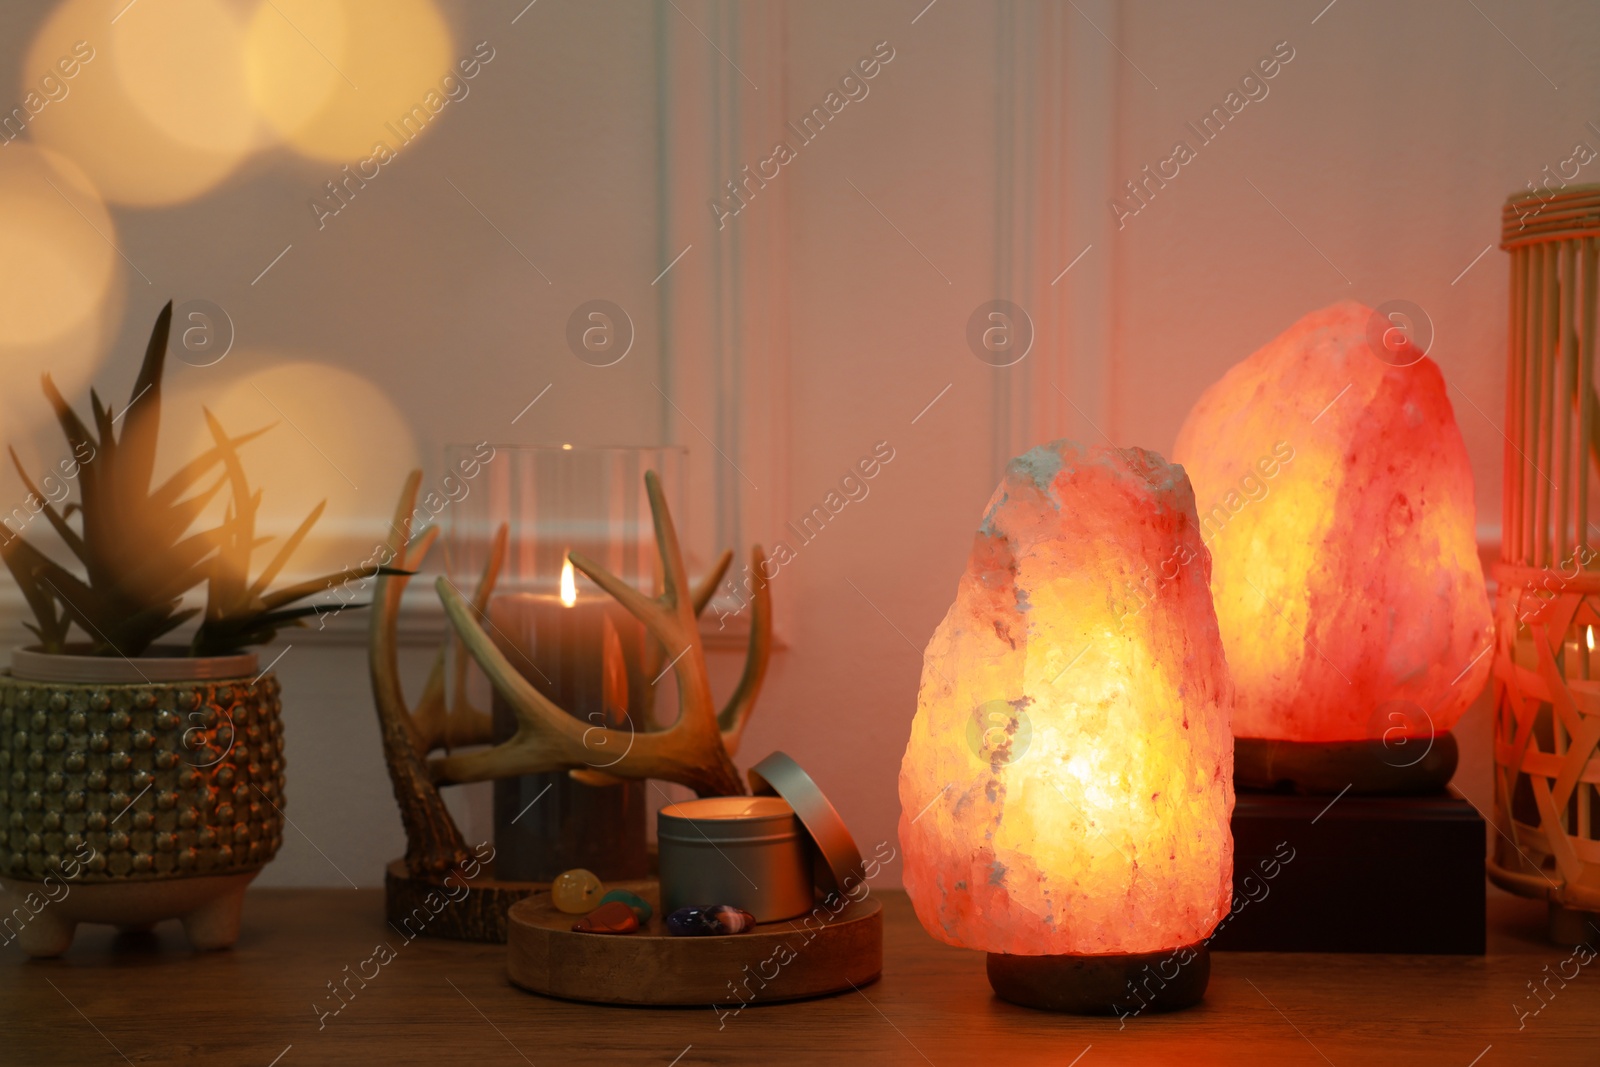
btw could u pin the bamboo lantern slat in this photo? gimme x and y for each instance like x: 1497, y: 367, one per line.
x: 1547, y: 708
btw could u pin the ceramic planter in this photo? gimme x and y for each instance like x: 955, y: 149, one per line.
x: 133, y: 791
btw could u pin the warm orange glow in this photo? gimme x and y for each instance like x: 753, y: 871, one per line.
x: 1068, y: 780
x: 1589, y: 636
x: 56, y: 256
x: 1337, y: 501
x: 569, y: 583
x: 331, y: 75
x: 155, y: 110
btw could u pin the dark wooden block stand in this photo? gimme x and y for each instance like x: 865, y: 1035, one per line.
x: 1364, y: 874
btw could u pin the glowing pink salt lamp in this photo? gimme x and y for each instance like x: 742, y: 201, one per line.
x: 1066, y: 790
x: 1337, y: 503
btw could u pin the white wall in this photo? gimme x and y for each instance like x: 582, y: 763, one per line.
x: 829, y: 315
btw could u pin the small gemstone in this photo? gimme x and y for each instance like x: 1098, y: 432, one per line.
x: 641, y: 907
x: 576, y: 891
x: 709, y: 920
x: 613, y: 918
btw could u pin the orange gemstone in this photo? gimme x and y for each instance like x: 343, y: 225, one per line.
x: 613, y: 918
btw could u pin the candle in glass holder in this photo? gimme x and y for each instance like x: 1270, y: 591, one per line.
x: 585, y: 653
x: 580, y: 649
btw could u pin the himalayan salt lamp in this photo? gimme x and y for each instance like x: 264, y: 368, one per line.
x: 1336, y: 501
x: 1066, y: 790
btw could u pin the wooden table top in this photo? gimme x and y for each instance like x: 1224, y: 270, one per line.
x: 149, y: 999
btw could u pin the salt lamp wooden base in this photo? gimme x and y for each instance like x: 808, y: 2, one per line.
x: 809, y: 956
x: 426, y: 907
x: 1328, y: 768
x: 1103, y: 985
x: 1356, y: 874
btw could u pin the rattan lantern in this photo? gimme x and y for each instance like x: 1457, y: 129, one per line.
x: 1547, y: 686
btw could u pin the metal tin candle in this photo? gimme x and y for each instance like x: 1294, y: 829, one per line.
x: 750, y: 852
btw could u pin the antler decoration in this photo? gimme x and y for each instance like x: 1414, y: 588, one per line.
x: 433, y: 844
x: 694, y: 751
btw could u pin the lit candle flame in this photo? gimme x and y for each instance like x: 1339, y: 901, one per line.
x: 569, y: 587
x: 1591, y: 639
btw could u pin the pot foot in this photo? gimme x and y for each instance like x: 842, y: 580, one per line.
x: 47, y: 935
x: 215, y: 924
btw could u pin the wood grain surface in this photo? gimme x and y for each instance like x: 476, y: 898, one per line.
x: 149, y: 999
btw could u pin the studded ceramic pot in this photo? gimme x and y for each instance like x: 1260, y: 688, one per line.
x: 132, y: 802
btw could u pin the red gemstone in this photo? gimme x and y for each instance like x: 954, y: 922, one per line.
x: 613, y: 918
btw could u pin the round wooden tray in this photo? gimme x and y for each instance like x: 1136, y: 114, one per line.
x: 821, y: 952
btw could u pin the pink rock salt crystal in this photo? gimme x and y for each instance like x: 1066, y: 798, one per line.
x: 1069, y: 777
x: 1337, y: 501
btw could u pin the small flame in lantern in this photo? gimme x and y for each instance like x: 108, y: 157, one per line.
x: 1591, y: 639
x: 569, y: 585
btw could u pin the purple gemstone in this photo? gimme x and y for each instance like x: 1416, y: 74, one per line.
x: 709, y: 920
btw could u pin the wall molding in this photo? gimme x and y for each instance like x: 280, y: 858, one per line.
x: 724, y: 327
x: 1056, y: 104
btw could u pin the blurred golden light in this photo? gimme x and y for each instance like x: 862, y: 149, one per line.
x: 330, y: 76
x: 57, y: 257
x: 152, y: 111
x: 337, y: 437
x: 181, y: 62
x: 72, y: 359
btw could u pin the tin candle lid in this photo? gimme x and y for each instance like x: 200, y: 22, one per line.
x: 779, y: 774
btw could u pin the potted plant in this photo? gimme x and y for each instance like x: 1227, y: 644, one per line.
x: 141, y: 779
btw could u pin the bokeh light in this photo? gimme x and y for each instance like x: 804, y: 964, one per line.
x: 155, y: 114
x: 329, y: 75
x: 57, y: 258
x: 73, y: 360
x: 181, y: 63
x: 338, y: 437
